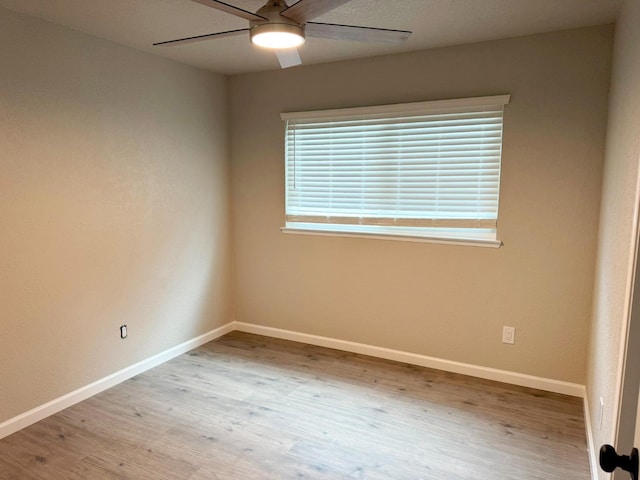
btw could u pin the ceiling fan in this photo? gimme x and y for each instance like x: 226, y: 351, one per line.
x: 282, y: 28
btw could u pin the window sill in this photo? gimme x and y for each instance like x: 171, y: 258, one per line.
x: 465, y: 242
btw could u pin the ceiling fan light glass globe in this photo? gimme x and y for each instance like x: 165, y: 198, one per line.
x: 277, y: 36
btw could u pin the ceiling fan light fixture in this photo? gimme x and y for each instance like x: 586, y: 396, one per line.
x: 277, y: 35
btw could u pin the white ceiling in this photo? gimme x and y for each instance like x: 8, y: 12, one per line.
x: 434, y: 23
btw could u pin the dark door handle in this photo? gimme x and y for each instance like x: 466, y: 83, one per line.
x: 610, y: 460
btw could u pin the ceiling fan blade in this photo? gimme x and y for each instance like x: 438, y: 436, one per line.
x: 225, y: 7
x: 353, y: 32
x: 199, y: 38
x: 289, y: 57
x: 306, y: 10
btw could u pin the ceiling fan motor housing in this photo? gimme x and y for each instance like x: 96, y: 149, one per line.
x: 274, y: 21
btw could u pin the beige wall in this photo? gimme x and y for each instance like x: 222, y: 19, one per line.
x: 444, y: 301
x: 617, y: 228
x: 113, y: 208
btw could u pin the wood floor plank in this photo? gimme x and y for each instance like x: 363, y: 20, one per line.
x: 251, y: 407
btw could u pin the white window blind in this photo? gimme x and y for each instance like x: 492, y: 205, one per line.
x: 420, y: 165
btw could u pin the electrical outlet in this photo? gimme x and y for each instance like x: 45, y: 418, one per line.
x: 123, y: 331
x: 509, y: 335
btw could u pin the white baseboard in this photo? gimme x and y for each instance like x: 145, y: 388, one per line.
x: 505, y: 376
x: 591, y: 448
x: 36, y: 414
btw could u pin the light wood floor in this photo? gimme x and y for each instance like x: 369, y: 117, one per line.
x: 250, y: 407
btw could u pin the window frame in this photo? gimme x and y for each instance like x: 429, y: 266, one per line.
x: 450, y: 234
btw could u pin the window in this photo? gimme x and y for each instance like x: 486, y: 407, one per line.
x: 428, y: 170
